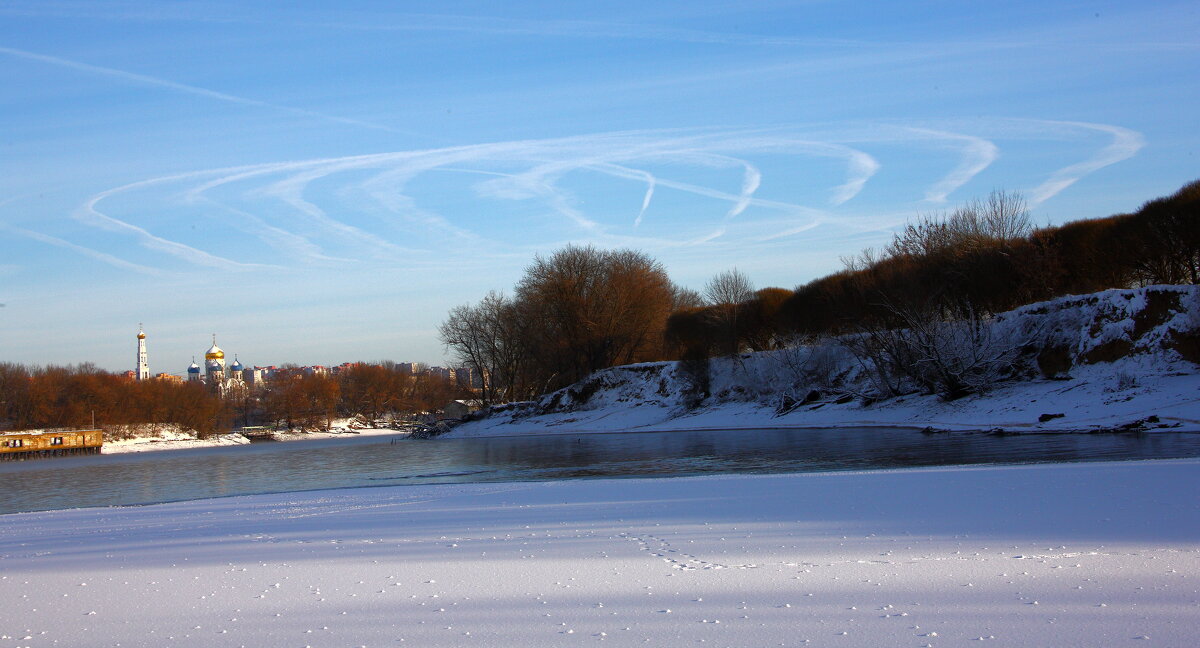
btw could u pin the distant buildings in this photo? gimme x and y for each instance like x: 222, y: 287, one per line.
x: 222, y: 378
x: 217, y: 376
x: 413, y: 368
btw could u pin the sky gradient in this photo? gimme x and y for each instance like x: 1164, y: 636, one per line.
x: 319, y: 186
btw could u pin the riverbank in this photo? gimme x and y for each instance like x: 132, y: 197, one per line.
x: 1075, y: 554
x: 1120, y: 360
x: 1094, y: 399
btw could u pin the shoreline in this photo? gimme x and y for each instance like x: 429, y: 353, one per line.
x: 1166, y: 404
x: 1125, y: 364
x: 186, y: 442
x: 234, y: 439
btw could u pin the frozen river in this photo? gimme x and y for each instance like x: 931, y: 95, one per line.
x: 142, y: 478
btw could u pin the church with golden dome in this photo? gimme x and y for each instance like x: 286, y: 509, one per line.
x: 216, y: 374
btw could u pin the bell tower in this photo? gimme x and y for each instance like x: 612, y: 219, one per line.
x: 143, y: 365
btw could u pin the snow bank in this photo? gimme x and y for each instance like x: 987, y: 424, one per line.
x: 1052, y: 555
x: 187, y: 440
x: 1120, y: 358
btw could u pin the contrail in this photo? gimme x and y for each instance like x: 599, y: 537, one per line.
x: 99, y: 256
x: 977, y: 155
x: 861, y: 168
x: 1125, y: 144
x: 291, y: 191
x: 190, y: 89
x: 650, y: 182
x: 88, y: 212
x: 274, y: 236
x: 751, y: 180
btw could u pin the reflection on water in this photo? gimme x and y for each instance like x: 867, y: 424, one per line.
x: 373, y: 461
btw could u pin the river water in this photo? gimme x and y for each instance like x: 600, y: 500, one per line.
x: 149, y: 477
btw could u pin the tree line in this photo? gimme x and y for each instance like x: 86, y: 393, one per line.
x: 81, y: 396
x: 983, y: 258
x: 582, y: 309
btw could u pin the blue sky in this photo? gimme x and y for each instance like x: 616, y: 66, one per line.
x: 321, y: 185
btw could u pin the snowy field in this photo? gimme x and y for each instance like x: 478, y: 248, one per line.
x: 1101, y: 554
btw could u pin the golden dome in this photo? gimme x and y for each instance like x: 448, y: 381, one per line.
x: 214, y: 352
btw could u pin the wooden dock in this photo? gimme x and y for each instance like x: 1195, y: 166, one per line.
x: 257, y: 433
x: 16, y: 446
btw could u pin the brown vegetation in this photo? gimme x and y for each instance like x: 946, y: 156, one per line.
x: 984, y: 259
x: 83, y: 396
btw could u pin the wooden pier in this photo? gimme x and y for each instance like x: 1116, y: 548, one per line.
x: 16, y: 446
x: 257, y: 433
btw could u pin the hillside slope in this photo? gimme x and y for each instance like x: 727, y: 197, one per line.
x: 1119, y: 359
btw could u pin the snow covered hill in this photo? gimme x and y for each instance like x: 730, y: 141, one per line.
x: 1119, y: 359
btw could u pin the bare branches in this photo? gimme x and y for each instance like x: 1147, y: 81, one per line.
x: 492, y: 339
x: 728, y: 288
x: 1003, y: 217
x: 951, y: 358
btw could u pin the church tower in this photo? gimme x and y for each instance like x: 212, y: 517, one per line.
x: 143, y: 365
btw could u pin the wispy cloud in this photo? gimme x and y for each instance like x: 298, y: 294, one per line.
x: 291, y: 191
x: 977, y: 154
x: 650, y: 182
x: 89, y: 213
x: 541, y: 166
x: 346, y: 19
x: 287, y: 242
x: 142, y: 79
x: 1124, y: 145
x: 861, y: 167
x: 306, y: 192
x: 103, y: 257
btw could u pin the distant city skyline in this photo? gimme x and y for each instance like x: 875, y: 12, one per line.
x: 233, y: 358
x: 322, y: 185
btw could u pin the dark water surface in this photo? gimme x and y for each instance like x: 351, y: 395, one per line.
x: 140, y: 478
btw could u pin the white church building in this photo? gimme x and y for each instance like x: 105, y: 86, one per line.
x: 216, y: 374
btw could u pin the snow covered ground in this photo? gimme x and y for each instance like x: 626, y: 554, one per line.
x: 174, y: 440
x: 1104, y: 554
x: 1126, y: 356
x: 1092, y: 399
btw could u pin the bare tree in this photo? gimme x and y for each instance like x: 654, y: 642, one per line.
x: 491, y: 339
x: 684, y: 298
x: 725, y: 293
x: 728, y: 288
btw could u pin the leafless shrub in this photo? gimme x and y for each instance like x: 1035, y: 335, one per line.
x: 1004, y: 216
x: 864, y: 260
x: 951, y: 358
x: 809, y: 362
x: 811, y: 367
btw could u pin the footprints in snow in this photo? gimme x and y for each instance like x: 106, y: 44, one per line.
x: 677, y: 559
